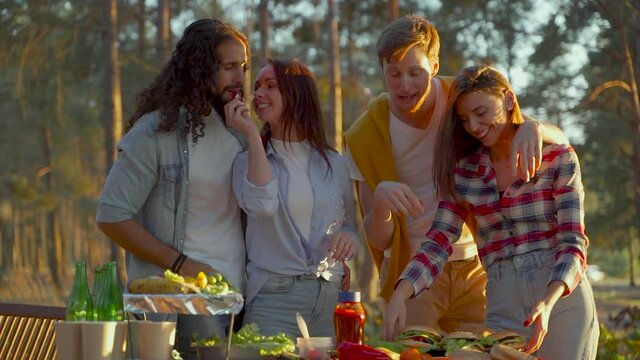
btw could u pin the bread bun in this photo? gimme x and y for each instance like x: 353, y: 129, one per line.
x: 509, y: 338
x: 426, y: 329
x: 414, y: 343
x: 155, y: 285
x: 501, y: 334
x: 419, y: 337
x: 504, y: 352
x: 466, y: 354
x: 477, y: 328
x: 461, y: 335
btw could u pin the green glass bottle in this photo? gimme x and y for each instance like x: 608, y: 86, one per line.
x: 98, y: 280
x: 79, y: 303
x: 109, y: 297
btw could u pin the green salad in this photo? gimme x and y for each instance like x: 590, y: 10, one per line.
x: 249, y: 336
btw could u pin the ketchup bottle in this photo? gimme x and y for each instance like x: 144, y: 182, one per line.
x: 348, y: 318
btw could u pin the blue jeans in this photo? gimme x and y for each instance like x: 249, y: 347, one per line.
x: 517, y: 284
x: 274, y: 308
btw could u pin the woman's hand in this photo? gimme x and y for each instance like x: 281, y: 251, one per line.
x: 398, y: 198
x: 526, y: 150
x: 343, y: 245
x: 540, y: 314
x: 237, y: 116
x: 394, y: 316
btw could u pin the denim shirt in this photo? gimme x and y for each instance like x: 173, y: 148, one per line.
x: 149, y: 183
x: 275, y: 246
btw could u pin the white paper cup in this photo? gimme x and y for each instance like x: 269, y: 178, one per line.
x: 103, y: 340
x: 315, y: 348
x: 153, y: 340
x: 120, y: 341
x: 133, y: 337
x: 68, y: 339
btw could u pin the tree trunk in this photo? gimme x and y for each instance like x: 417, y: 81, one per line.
x: 315, y: 22
x: 510, y: 39
x: 8, y: 233
x: 215, y: 10
x: 634, y: 80
x: 248, y: 85
x: 352, y: 77
x: 142, y: 29
x: 112, y: 109
x: 61, y: 245
x: 263, y: 16
x: 163, y: 40
x: 394, y: 9
x: 16, y: 254
x: 51, y: 233
x: 31, y: 255
x: 335, y: 86
x: 632, y: 258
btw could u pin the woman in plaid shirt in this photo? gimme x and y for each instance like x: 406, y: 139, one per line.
x: 530, y: 235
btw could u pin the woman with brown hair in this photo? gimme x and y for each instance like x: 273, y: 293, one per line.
x: 530, y: 235
x: 299, y: 202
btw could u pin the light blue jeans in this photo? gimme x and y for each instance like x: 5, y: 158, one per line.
x: 274, y: 308
x: 517, y: 284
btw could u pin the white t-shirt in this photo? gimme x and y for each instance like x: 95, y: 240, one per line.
x: 214, y: 230
x: 300, y: 194
x: 413, y: 152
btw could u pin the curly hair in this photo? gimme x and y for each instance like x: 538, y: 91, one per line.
x: 187, y: 79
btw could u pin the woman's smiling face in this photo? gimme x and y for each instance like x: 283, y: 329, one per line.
x: 267, y: 100
x: 484, y: 115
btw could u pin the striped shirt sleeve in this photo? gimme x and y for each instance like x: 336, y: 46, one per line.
x: 425, y: 266
x: 571, y: 256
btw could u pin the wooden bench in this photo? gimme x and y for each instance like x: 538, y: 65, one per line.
x: 26, y: 331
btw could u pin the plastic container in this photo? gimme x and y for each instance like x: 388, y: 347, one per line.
x: 349, y: 318
x: 315, y: 348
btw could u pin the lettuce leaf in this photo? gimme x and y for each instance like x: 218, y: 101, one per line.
x: 249, y: 336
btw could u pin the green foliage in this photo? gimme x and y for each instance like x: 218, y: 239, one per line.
x: 51, y: 62
x: 613, y: 345
x: 614, y: 262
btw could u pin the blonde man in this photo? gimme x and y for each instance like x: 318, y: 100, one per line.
x: 391, y: 150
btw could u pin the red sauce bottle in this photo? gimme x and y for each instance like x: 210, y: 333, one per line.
x: 348, y: 318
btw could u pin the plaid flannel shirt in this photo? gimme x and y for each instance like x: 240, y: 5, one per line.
x: 544, y: 213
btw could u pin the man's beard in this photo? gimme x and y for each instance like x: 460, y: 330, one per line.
x: 218, y: 103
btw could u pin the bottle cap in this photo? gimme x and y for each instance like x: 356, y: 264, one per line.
x: 349, y: 296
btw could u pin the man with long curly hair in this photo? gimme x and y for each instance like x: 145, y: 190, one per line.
x: 167, y: 200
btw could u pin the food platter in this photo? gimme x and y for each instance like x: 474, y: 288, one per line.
x: 193, y: 304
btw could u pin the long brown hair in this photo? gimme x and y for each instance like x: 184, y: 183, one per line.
x: 301, y: 106
x: 453, y: 142
x: 187, y: 79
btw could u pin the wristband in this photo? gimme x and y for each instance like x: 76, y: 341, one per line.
x: 178, y: 263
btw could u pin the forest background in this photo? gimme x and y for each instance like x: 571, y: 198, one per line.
x: 70, y: 70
